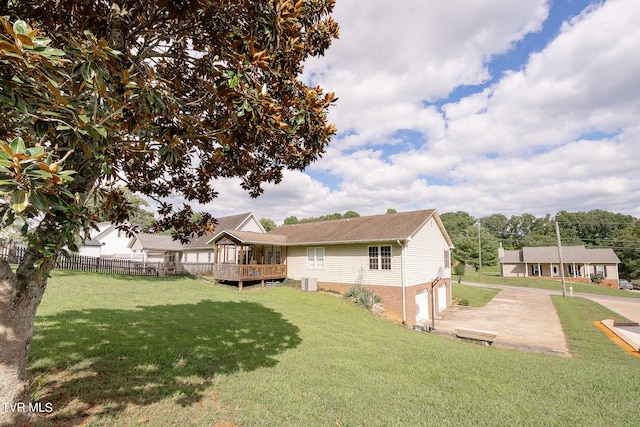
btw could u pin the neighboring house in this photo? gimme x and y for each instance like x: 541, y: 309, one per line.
x: 580, y: 263
x: 199, y: 251
x: 92, y: 248
x: 153, y: 248
x: 109, y: 242
x: 113, y: 242
x: 404, y: 258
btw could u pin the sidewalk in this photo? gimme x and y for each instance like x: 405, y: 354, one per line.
x: 627, y: 307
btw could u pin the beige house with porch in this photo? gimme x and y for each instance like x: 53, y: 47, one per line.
x: 403, y: 257
x: 579, y: 263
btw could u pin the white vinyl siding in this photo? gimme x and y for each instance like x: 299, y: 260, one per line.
x: 424, y: 255
x: 198, y: 256
x: 347, y: 264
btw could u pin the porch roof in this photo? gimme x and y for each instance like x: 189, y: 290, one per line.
x: 223, y: 223
x: 250, y: 238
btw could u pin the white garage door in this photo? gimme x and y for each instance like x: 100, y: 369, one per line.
x: 422, y: 306
x: 442, y: 298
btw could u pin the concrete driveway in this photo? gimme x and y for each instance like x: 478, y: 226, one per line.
x: 523, y: 319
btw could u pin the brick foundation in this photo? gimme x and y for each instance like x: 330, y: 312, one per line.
x: 392, y: 297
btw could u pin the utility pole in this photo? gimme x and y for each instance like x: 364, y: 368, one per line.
x: 479, y: 252
x: 564, y: 291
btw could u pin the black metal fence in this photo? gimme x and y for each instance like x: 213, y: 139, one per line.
x: 14, y: 255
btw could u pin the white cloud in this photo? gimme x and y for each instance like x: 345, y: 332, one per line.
x: 391, y: 57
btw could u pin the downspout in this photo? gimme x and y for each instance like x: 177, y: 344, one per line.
x: 403, y: 258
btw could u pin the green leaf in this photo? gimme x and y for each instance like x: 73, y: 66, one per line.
x: 41, y: 41
x: 49, y: 51
x: 234, y: 82
x: 21, y: 27
x: 87, y: 72
x: 66, y: 175
x: 102, y: 131
x: 7, y: 188
x: 39, y: 202
x: 17, y: 145
x: 39, y: 174
x: 19, y: 201
x: 35, y: 151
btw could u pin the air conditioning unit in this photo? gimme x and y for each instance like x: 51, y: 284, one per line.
x: 309, y: 284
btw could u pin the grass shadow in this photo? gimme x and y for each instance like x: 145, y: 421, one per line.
x: 97, y: 361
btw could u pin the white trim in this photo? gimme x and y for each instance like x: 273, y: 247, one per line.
x: 315, y: 261
x: 380, y: 258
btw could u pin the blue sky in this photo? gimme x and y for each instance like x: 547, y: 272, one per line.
x: 491, y: 106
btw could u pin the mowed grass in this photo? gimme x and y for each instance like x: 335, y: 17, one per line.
x: 491, y: 276
x: 183, y: 352
x: 474, y: 296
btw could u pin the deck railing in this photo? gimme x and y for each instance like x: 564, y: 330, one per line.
x: 248, y: 272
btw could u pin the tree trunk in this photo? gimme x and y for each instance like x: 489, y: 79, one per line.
x: 20, y: 296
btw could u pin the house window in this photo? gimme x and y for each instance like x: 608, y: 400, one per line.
x: 574, y: 270
x: 273, y: 256
x: 601, y: 270
x: 315, y: 258
x: 379, y: 257
x: 535, y: 269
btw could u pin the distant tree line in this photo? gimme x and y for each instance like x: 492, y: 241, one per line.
x: 337, y: 215
x: 596, y: 228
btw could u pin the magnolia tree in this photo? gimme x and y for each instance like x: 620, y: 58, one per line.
x: 162, y: 95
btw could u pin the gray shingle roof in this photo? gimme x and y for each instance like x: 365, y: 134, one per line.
x: 252, y: 238
x: 224, y: 223
x: 570, y: 254
x: 158, y: 242
x: 388, y: 227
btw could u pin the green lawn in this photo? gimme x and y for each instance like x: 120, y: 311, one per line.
x: 492, y: 277
x: 472, y: 296
x: 141, y: 351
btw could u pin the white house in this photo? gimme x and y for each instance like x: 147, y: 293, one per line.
x: 403, y: 257
x: 107, y: 242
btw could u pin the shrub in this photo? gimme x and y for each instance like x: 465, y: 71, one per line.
x: 597, y: 278
x: 459, y: 269
x: 362, y: 296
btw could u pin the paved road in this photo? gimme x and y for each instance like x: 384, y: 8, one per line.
x: 627, y: 307
x: 525, y: 318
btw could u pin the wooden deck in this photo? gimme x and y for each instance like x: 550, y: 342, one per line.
x: 249, y: 272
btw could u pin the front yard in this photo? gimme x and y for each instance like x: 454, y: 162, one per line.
x: 181, y: 351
